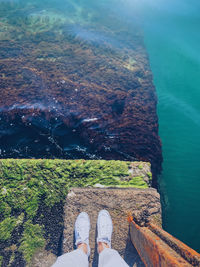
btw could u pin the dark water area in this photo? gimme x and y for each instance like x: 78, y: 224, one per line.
x: 75, y: 83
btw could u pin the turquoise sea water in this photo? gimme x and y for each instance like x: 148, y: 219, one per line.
x: 172, y: 38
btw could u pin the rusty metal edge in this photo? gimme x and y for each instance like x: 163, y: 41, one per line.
x: 185, y: 251
x: 153, y: 251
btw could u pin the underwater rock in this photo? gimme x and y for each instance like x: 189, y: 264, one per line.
x: 77, y: 90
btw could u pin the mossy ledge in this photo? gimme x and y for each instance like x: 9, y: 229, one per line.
x: 32, y: 194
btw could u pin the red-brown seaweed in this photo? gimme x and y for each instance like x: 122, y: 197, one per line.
x: 75, y: 90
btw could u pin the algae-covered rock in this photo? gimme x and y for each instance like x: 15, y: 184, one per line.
x: 75, y: 83
x: 32, y: 194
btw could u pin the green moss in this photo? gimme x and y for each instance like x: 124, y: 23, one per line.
x: 32, y: 240
x: 149, y: 175
x: 6, y: 228
x: 135, y: 182
x: 8, y: 225
x: 1, y: 260
x: 140, y: 166
x: 26, y: 183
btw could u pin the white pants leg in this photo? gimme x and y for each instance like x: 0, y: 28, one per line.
x: 76, y: 258
x: 111, y: 258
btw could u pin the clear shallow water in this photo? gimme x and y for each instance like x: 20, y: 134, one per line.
x: 75, y: 83
x: 171, y: 32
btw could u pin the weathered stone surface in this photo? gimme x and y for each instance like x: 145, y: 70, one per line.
x: 43, y: 258
x: 120, y: 203
x: 76, y: 89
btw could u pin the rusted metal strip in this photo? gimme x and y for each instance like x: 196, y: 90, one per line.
x: 156, y: 251
x: 186, y: 252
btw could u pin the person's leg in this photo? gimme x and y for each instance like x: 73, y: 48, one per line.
x: 110, y: 257
x: 78, y: 257
x: 107, y: 257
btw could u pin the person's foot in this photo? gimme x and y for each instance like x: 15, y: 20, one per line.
x: 104, y: 228
x: 82, y: 229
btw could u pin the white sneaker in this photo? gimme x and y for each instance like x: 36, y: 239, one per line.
x: 104, y: 227
x: 82, y: 229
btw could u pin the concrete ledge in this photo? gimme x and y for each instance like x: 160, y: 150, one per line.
x: 120, y: 203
